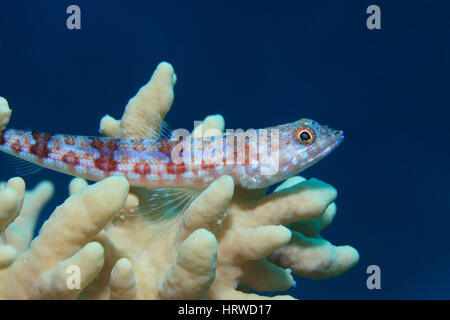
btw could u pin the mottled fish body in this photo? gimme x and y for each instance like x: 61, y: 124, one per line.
x: 269, y: 156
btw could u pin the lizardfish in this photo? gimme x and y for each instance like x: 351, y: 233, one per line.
x: 254, y: 159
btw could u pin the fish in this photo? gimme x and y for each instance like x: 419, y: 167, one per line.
x: 177, y: 161
x: 189, y: 162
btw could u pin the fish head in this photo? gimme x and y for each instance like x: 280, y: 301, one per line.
x: 305, y: 142
x: 296, y: 146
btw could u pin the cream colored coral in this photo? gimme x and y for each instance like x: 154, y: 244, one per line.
x: 20, y: 232
x: 5, y: 113
x: 11, y: 197
x: 144, y: 111
x: 227, y: 241
x: 247, y: 225
x: 41, y: 271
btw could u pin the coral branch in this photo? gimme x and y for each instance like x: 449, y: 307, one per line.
x: 5, y: 113
x: 199, y: 214
x: 11, y: 201
x: 311, y: 228
x: 122, y: 282
x: 315, y: 258
x: 275, y: 278
x: 98, y: 288
x: 191, y: 275
x: 55, y: 284
x: 7, y: 254
x: 90, y: 211
x: 303, y: 201
x: 213, y: 125
x: 143, y: 112
x: 255, y: 243
x: 21, y: 231
x: 11, y: 197
x: 77, y: 184
x: 63, y: 241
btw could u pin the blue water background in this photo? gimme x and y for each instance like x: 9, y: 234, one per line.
x: 261, y: 63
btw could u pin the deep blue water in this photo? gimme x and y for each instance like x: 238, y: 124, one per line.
x: 261, y: 63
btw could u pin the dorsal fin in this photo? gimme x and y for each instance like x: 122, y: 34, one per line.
x: 161, y: 129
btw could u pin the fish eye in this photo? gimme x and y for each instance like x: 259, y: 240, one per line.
x: 305, y: 135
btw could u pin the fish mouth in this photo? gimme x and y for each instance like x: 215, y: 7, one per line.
x: 336, y: 137
x: 339, y: 134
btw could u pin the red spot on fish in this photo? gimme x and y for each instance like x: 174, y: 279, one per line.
x: 247, y: 154
x: 16, y: 146
x: 86, y: 156
x: 71, y: 159
x: 69, y: 140
x: 138, y: 146
x: 106, y: 147
x: 165, y: 148
x: 174, y: 168
x: 105, y: 164
x: 2, y: 138
x: 101, y: 144
x: 124, y: 145
x: 142, y: 168
x: 40, y: 147
x: 206, y: 166
x: 123, y: 157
